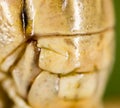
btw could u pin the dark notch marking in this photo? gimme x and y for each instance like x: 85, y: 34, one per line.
x: 24, y: 16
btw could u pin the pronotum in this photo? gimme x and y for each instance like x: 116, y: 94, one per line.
x: 56, y: 53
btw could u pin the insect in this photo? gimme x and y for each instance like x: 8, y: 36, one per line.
x: 56, y: 53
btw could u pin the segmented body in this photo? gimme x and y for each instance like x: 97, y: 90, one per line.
x: 56, y: 54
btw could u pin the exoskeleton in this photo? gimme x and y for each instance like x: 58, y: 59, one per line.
x: 56, y: 53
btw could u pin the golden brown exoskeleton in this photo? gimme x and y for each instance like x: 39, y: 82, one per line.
x: 56, y: 53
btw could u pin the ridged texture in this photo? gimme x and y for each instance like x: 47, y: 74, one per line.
x: 55, y: 53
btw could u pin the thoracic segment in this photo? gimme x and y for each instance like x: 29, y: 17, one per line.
x: 51, y: 61
x: 11, y: 32
x: 66, y: 54
x: 26, y: 70
x: 69, y: 16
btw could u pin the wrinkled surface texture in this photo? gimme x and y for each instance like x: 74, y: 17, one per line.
x: 55, y: 53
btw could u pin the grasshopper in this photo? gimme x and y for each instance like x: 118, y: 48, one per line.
x: 56, y: 53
